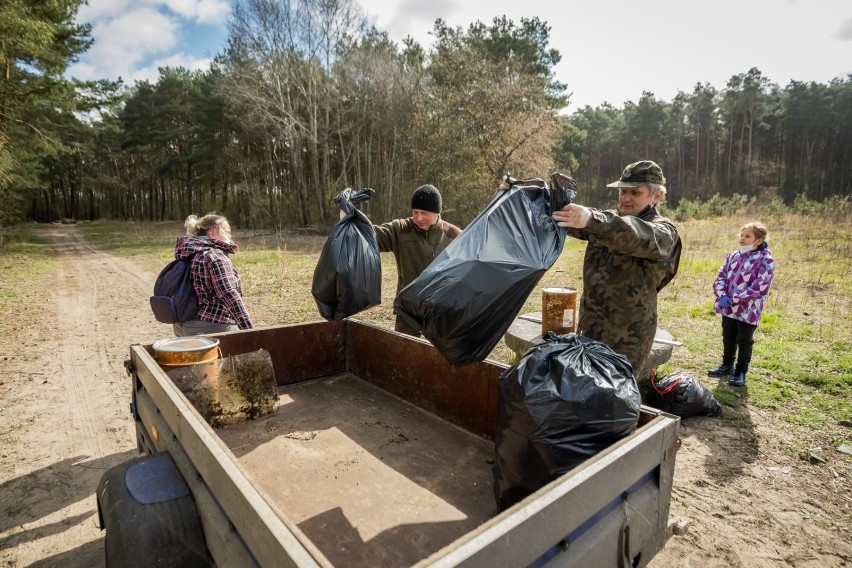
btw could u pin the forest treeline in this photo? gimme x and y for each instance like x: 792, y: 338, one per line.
x: 307, y: 99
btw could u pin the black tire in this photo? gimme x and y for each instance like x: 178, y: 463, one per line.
x: 149, y: 516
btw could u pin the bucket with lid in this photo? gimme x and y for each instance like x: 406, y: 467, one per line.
x: 182, y: 351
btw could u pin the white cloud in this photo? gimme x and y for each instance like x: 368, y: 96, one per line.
x: 134, y: 37
x: 96, y: 10
x: 85, y: 71
x: 793, y: 39
x: 213, y: 11
x: 203, y: 11
x: 123, y: 42
x: 414, y: 15
x: 785, y: 40
x: 413, y: 18
x: 151, y: 72
x: 845, y: 31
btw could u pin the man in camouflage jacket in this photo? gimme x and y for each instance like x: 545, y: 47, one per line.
x: 632, y: 254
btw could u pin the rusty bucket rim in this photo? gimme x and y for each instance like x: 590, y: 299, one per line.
x: 559, y: 290
x: 168, y: 345
x: 183, y: 351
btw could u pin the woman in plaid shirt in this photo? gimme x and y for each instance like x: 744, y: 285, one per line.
x: 217, y: 284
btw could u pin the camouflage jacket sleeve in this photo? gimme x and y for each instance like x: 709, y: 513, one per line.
x: 648, y: 236
x: 627, y: 262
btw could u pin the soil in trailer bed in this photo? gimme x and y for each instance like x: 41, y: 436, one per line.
x: 371, y: 479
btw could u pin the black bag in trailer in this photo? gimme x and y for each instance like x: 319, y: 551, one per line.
x: 563, y: 402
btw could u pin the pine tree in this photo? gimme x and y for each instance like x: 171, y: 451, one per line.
x: 38, y: 40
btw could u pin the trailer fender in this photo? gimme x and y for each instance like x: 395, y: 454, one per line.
x: 149, y: 516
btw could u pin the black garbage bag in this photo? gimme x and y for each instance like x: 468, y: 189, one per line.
x: 466, y: 299
x: 563, y: 402
x: 348, y: 275
x: 682, y: 394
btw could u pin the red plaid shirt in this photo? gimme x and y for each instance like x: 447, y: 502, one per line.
x: 217, y: 284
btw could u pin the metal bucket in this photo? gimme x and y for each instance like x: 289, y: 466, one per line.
x: 183, y: 351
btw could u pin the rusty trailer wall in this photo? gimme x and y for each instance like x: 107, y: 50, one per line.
x: 415, y: 371
x: 404, y: 366
x: 299, y: 352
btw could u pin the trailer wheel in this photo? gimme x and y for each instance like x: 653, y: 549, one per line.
x: 149, y: 516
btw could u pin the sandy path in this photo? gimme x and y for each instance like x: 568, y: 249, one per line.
x: 65, y: 399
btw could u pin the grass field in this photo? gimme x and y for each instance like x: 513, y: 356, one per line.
x: 802, y: 364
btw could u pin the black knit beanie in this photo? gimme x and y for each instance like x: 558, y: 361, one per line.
x: 427, y: 198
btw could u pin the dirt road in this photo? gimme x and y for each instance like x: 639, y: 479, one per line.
x: 64, y: 397
x: 745, y: 492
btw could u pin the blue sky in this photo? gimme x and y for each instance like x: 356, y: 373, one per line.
x: 612, y: 50
x: 133, y: 38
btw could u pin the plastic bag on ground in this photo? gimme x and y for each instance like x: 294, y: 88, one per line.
x: 466, y: 299
x: 680, y: 393
x: 348, y: 275
x: 563, y: 402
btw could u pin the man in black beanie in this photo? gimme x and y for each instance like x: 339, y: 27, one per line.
x: 426, y: 198
x: 416, y: 241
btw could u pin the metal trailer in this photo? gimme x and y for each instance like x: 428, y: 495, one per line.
x: 380, y: 453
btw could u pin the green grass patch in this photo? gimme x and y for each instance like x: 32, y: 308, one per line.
x: 132, y: 239
x: 24, y: 255
x: 701, y: 312
x: 771, y: 394
x: 810, y: 417
x: 699, y: 267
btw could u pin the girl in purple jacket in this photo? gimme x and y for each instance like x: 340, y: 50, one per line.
x: 740, y: 289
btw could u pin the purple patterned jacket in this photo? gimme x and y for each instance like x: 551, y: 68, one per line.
x: 745, y: 279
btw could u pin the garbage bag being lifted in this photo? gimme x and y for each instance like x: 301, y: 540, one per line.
x: 466, y: 299
x: 348, y: 275
x: 565, y: 400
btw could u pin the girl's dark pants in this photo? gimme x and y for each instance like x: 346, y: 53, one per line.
x: 737, y: 339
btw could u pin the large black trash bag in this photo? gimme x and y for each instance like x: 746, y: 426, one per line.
x: 348, y: 275
x: 466, y: 299
x: 680, y: 393
x: 563, y: 402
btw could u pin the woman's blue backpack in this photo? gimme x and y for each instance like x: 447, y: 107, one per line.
x: 174, y: 298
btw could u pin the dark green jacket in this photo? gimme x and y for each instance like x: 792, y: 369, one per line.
x: 628, y: 260
x: 412, y: 248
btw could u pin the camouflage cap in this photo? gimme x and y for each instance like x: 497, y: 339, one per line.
x: 640, y: 173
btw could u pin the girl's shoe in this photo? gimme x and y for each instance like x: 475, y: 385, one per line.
x: 720, y: 371
x: 738, y: 379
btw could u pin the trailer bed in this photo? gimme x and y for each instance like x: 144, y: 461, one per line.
x: 371, y: 479
x: 380, y: 455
